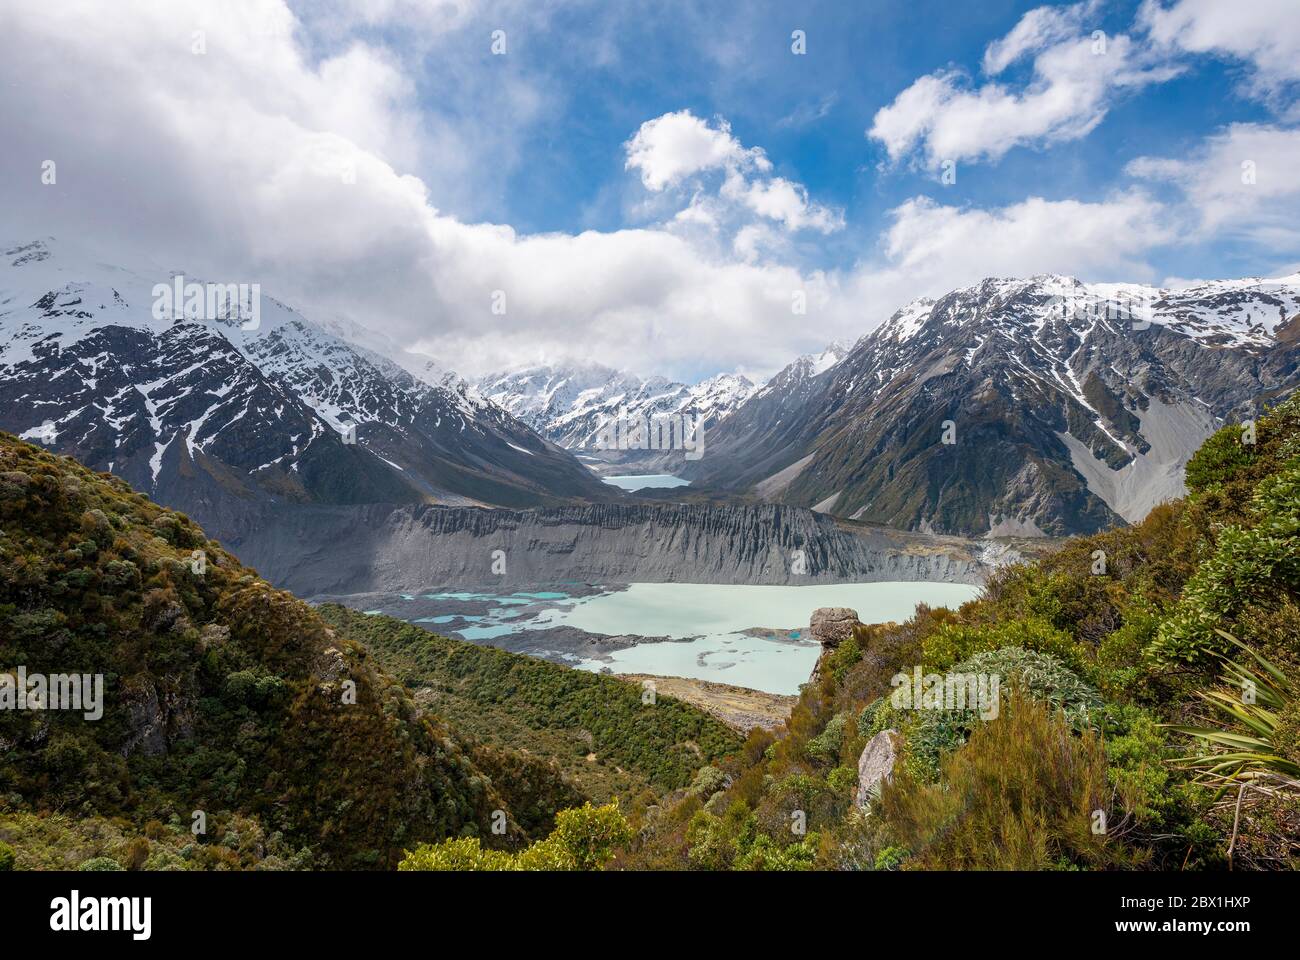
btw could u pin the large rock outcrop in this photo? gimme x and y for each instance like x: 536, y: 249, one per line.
x: 876, y: 765
x: 830, y: 626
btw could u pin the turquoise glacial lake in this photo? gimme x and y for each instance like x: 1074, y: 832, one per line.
x: 646, y: 481
x: 708, y: 623
x: 747, y: 636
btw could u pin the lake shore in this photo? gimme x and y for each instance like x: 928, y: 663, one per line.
x: 740, y: 708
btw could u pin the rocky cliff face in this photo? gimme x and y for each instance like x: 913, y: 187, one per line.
x: 336, y: 550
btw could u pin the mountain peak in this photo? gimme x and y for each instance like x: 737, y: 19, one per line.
x: 274, y: 410
x: 1072, y: 405
x: 570, y: 403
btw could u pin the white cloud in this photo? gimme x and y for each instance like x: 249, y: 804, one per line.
x: 1039, y: 28
x: 232, y: 168
x: 676, y: 145
x: 943, y: 117
x: 1240, y: 182
x: 1264, y: 33
x: 753, y: 240
x: 784, y: 201
x: 236, y: 166
x: 1034, y: 236
x: 426, y: 14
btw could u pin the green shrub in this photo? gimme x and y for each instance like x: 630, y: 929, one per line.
x: 1220, y: 459
x: 844, y: 656
x: 1138, y: 769
x: 584, y: 838
x: 462, y: 853
x: 715, y: 842
x: 591, y: 834
x: 952, y: 643
x: 708, y: 781
x: 826, y: 745
x: 1019, y: 796
x: 765, y: 854
x: 1256, y: 565
x: 931, y: 734
x: 890, y: 858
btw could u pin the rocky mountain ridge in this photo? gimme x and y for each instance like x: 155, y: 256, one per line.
x: 252, y: 403
x: 571, y: 404
x: 1015, y: 407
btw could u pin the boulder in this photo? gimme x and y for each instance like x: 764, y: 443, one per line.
x: 876, y: 765
x: 831, y: 626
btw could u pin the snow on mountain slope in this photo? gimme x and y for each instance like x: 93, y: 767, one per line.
x: 1072, y: 406
x: 251, y: 401
x: 570, y: 404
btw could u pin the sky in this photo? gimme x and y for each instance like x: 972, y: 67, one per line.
x: 669, y: 187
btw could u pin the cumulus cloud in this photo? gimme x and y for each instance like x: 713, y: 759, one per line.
x: 1076, y: 76
x: 668, y: 148
x: 258, y: 161
x: 1033, y: 236
x: 672, y: 149
x: 1263, y: 33
x: 784, y: 201
x: 1037, y: 29
x: 1240, y: 182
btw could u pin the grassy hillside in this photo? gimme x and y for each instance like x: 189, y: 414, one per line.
x: 1105, y: 648
x: 228, y: 699
x: 604, y: 737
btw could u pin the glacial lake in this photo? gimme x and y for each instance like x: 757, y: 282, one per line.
x: 715, y: 616
x: 646, y: 481
x: 748, y: 636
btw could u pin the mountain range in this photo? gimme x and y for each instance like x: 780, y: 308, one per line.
x: 570, y: 404
x: 1014, y: 406
x: 251, y: 404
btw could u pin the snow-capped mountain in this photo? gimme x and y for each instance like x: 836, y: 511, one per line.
x: 793, y: 379
x: 571, y: 404
x: 249, y: 401
x: 1031, y: 406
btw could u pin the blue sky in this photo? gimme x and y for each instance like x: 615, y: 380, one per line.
x: 810, y: 113
x: 650, y: 183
